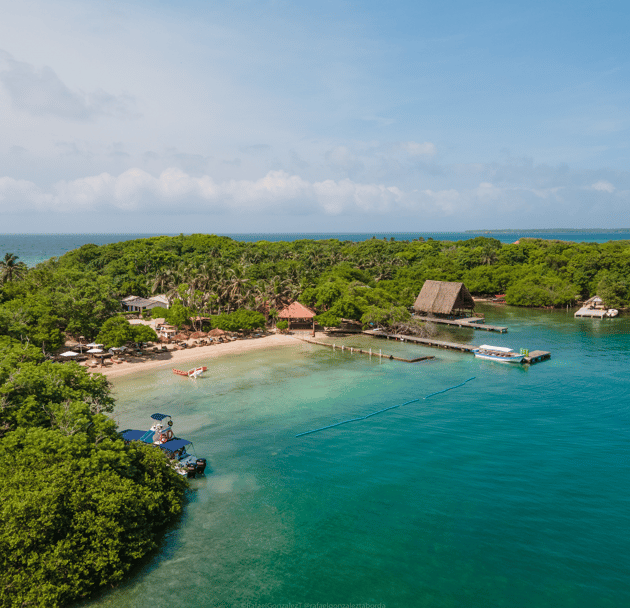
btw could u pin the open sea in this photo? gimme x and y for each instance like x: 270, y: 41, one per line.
x: 35, y: 248
x: 511, y: 491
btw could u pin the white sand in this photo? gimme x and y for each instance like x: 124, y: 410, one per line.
x: 178, y: 358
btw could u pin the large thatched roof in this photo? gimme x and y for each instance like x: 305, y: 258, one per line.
x: 296, y: 311
x: 441, y: 297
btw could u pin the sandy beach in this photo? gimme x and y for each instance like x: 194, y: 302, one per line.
x: 179, y: 358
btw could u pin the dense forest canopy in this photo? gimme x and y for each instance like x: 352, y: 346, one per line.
x: 76, y: 293
x: 79, y: 507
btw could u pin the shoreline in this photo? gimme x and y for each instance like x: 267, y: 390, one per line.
x: 174, y: 358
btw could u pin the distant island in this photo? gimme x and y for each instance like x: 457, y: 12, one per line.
x: 551, y: 231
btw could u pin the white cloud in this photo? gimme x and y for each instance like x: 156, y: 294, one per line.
x: 40, y: 92
x: 415, y: 149
x: 284, y: 195
x: 603, y: 186
x: 276, y: 192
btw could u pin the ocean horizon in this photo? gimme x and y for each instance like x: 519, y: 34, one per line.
x: 35, y: 248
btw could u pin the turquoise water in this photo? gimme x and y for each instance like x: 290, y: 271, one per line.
x: 35, y: 248
x: 511, y: 491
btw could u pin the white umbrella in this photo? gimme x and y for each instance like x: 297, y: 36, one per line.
x: 94, y: 345
x: 95, y: 350
x: 69, y: 353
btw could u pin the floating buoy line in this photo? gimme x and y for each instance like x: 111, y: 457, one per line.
x: 330, y: 426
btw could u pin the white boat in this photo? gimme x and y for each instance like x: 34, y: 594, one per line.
x: 178, y: 451
x: 497, y: 353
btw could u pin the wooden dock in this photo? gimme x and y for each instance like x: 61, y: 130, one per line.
x: 597, y: 313
x: 352, y: 351
x: 534, y: 356
x: 471, y: 322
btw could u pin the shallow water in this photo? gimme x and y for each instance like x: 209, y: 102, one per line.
x: 510, y: 491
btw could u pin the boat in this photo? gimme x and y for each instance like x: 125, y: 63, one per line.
x: 191, y: 373
x: 498, y: 353
x: 179, y: 450
x: 612, y: 312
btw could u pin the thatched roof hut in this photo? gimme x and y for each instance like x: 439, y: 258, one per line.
x: 443, y: 298
x: 296, y: 311
x: 298, y: 316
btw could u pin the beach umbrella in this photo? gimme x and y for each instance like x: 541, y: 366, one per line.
x: 94, y: 345
x: 198, y: 334
x: 180, y: 336
x: 69, y: 353
x: 216, y: 332
x: 95, y: 350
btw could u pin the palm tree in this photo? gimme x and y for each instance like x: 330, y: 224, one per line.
x: 11, y: 269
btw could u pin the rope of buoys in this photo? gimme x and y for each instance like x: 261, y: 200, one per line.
x: 391, y: 407
x: 450, y: 388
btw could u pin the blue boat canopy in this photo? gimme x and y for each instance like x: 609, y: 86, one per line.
x: 134, y: 435
x: 174, y: 445
x: 159, y: 416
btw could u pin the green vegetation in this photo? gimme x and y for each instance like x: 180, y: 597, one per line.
x: 240, y: 320
x: 206, y: 276
x: 79, y: 507
x: 117, y: 331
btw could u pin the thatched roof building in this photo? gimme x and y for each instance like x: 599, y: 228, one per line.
x: 295, y: 312
x: 443, y: 298
x: 298, y: 316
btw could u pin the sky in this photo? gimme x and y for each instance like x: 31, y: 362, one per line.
x: 292, y: 116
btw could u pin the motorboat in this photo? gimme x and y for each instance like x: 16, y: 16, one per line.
x: 179, y: 451
x: 498, y: 353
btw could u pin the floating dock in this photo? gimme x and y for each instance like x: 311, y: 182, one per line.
x: 534, y: 356
x: 537, y: 355
x: 597, y: 313
x: 471, y: 322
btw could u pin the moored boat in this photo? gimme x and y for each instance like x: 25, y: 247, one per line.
x: 498, y: 353
x: 179, y: 451
x: 191, y: 373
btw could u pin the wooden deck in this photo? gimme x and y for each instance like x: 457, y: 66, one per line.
x: 598, y: 313
x: 472, y: 322
x: 534, y: 356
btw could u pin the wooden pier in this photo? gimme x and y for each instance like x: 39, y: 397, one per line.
x: 361, y: 351
x: 471, y: 322
x: 534, y: 356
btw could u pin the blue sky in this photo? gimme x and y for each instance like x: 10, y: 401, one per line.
x: 295, y: 116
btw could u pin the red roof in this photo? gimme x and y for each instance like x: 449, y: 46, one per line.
x: 296, y: 311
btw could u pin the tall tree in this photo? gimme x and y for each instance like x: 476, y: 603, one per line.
x: 11, y: 269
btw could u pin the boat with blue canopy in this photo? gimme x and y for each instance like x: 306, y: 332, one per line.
x: 178, y: 450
